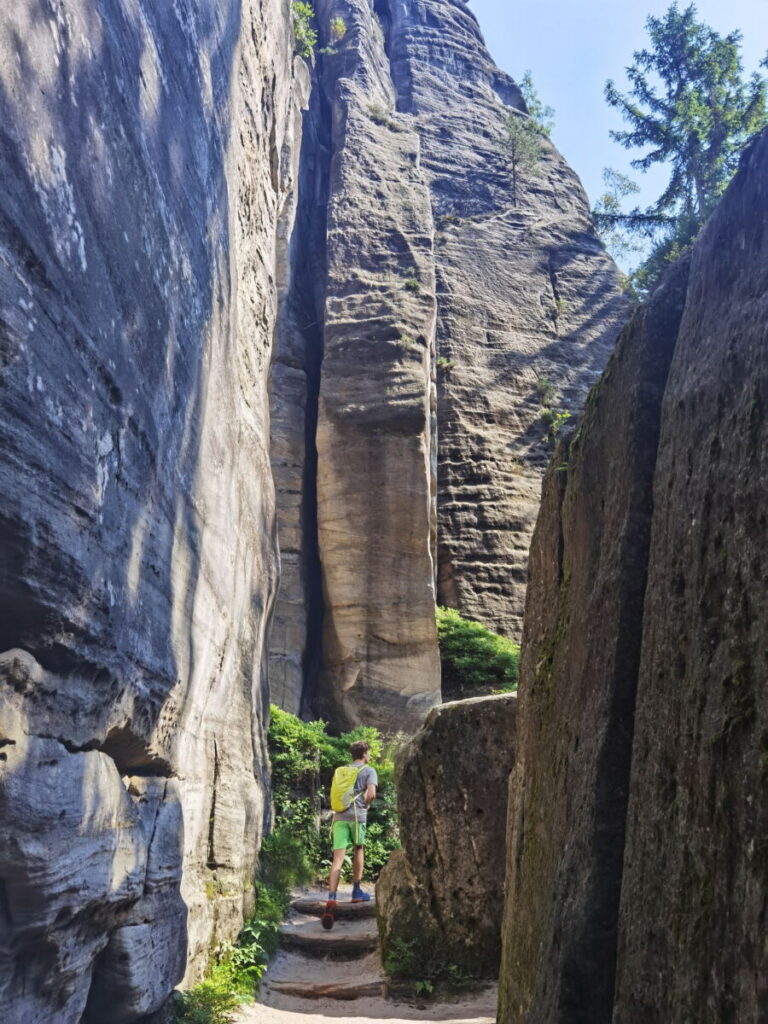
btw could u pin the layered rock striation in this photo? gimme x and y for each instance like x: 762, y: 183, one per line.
x: 439, y: 897
x: 636, y: 884
x: 148, y: 166
x: 450, y: 320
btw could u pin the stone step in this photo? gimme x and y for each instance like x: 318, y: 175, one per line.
x: 344, y: 908
x: 344, y: 991
x: 348, y: 939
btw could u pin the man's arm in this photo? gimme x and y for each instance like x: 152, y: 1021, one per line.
x: 370, y: 794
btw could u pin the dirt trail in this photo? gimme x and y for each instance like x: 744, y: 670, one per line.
x: 318, y: 977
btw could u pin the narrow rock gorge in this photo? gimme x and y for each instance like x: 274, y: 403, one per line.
x: 636, y: 885
x: 278, y: 344
x: 246, y: 295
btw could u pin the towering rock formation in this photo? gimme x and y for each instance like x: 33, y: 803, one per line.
x: 447, y: 319
x: 637, y: 882
x: 147, y: 165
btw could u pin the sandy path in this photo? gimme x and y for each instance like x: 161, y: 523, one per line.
x: 481, y: 1009
x: 312, y: 968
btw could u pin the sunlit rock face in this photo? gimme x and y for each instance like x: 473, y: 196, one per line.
x: 148, y: 168
x: 636, y: 883
x: 433, y: 317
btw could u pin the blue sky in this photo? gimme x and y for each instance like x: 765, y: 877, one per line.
x: 572, y: 46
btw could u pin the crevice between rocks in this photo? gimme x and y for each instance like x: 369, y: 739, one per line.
x: 310, y: 247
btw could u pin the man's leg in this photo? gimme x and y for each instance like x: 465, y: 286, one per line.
x: 336, y: 865
x: 358, y: 863
x: 340, y: 833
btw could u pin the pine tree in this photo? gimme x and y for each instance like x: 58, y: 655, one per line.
x: 690, y: 102
x: 540, y: 112
x: 522, y: 144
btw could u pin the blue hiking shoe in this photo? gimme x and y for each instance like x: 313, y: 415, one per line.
x: 358, y: 896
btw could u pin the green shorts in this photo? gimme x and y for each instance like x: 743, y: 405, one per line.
x: 348, y: 833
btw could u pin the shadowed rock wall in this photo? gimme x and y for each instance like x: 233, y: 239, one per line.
x: 636, y: 885
x: 695, y: 890
x: 147, y: 160
x: 441, y: 892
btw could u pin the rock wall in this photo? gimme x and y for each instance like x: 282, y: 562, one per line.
x: 695, y: 889
x: 444, y: 314
x: 525, y: 294
x: 148, y: 160
x: 375, y: 489
x: 636, y: 887
x: 441, y: 892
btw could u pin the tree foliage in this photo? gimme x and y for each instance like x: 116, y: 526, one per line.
x: 691, y: 106
x: 522, y: 146
x: 304, y: 757
x: 305, y: 36
x: 540, y: 112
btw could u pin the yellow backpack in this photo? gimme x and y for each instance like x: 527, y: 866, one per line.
x: 343, y: 786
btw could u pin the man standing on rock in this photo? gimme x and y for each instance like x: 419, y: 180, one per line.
x: 349, y: 824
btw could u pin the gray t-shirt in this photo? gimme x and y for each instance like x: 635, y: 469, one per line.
x: 366, y: 778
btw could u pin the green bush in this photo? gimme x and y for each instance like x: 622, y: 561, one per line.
x: 305, y: 37
x: 555, y: 421
x: 338, y: 29
x: 425, y: 963
x: 235, y: 975
x: 474, y: 659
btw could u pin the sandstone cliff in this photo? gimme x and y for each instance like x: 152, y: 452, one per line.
x: 424, y: 329
x: 636, y: 884
x: 148, y: 160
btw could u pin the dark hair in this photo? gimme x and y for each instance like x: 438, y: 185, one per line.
x: 358, y: 749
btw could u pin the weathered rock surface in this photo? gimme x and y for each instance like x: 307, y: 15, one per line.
x: 375, y: 493
x: 148, y: 165
x: 439, y: 301
x: 695, y: 890
x: 637, y: 885
x: 524, y: 293
x: 441, y: 892
x: 579, y: 674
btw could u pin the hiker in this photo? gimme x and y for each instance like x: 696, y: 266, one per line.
x: 353, y: 789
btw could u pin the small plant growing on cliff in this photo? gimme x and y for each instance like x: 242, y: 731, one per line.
x: 555, y: 421
x: 544, y: 390
x: 238, y: 968
x: 305, y: 36
x: 474, y: 659
x: 445, y: 364
x: 522, y: 146
x: 337, y: 29
x: 412, y: 284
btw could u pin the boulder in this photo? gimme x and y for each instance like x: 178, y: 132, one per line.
x: 440, y: 897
